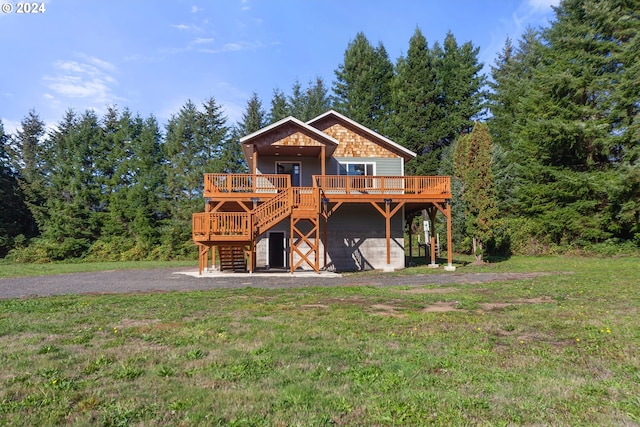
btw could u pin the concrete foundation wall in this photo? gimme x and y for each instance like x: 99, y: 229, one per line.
x: 355, y: 241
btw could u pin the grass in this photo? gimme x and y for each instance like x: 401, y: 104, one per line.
x: 562, y: 349
x: 8, y: 269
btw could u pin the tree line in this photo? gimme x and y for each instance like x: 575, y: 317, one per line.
x: 544, y: 150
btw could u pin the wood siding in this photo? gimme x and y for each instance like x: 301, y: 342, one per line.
x: 354, y: 142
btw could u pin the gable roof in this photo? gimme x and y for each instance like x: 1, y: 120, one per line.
x: 330, y: 142
x: 406, y: 153
x: 303, y: 126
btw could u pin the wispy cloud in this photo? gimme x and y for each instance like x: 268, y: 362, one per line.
x: 185, y: 27
x: 202, y: 41
x: 542, y: 5
x: 196, y: 9
x: 88, y: 80
x: 234, y: 47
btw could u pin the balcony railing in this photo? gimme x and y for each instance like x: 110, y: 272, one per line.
x: 208, y: 226
x: 417, y: 185
x: 306, y: 198
x: 215, y: 184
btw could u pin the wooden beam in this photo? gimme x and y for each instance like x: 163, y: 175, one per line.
x: 432, y: 234
x: 449, y: 239
x: 388, y: 214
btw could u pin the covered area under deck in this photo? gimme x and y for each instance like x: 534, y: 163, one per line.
x: 240, y: 207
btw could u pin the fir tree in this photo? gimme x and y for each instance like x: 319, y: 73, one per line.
x: 362, y: 89
x: 253, y: 118
x: 472, y: 163
x: 416, y: 104
x: 279, y: 106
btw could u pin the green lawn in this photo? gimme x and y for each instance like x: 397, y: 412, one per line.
x: 8, y: 269
x: 562, y: 349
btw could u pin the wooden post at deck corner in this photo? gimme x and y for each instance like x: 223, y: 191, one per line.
x: 432, y: 236
x: 450, y: 266
x: 388, y: 213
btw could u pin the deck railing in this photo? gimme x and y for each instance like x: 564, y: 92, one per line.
x: 349, y: 184
x: 216, y: 183
x: 306, y: 198
x: 212, y: 225
x: 273, y: 210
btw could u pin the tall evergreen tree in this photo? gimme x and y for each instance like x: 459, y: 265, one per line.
x: 512, y: 80
x: 254, y: 117
x: 15, y: 218
x: 581, y: 124
x: 317, y: 99
x: 297, y: 101
x: 362, y: 89
x: 461, y: 86
x: 28, y: 154
x: 279, y: 107
x: 472, y: 163
x: 416, y: 104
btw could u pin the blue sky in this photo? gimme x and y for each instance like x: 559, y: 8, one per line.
x: 153, y: 55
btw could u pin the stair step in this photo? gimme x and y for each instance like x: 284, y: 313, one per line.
x: 232, y: 258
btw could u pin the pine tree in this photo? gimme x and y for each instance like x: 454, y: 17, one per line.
x: 28, y: 155
x: 416, y: 104
x: 362, y: 89
x: 580, y: 126
x: 15, y: 218
x: 297, y: 102
x: 512, y: 76
x: 472, y: 163
x: 253, y: 118
x: 461, y: 89
x: 279, y: 107
x: 317, y: 99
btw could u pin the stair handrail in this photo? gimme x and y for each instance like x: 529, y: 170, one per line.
x: 272, y: 211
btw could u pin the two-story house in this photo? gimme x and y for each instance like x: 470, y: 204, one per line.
x: 325, y: 194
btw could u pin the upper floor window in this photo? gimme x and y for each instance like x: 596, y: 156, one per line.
x: 357, y: 169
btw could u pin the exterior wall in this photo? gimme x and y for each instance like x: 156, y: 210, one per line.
x: 356, y: 240
x: 388, y: 166
x: 309, y: 166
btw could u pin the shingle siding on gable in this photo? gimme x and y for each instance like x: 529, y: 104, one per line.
x: 353, y: 142
x: 290, y: 136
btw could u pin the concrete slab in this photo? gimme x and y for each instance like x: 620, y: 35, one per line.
x: 262, y: 273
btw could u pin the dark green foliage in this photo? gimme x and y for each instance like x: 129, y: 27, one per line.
x: 437, y: 93
x: 362, y: 89
x: 15, y: 218
x: 472, y: 163
x: 416, y: 100
x: 279, y: 106
x: 254, y: 117
x: 303, y: 104
x: 566, y: 116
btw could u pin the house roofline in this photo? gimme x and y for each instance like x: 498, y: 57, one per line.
x: 290, y: 119
x: 384, y: 139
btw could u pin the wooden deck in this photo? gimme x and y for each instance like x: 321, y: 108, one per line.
x: 240, y: 207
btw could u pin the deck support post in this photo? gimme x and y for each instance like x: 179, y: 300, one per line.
x: 432, y: 236
x: 388, y: 213
x: 450, y: 266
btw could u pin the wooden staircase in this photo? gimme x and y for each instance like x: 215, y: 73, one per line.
x: 235, y: 233
x: 232, y: 258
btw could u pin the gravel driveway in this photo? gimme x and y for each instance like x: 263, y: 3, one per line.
x: 139, y: 281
